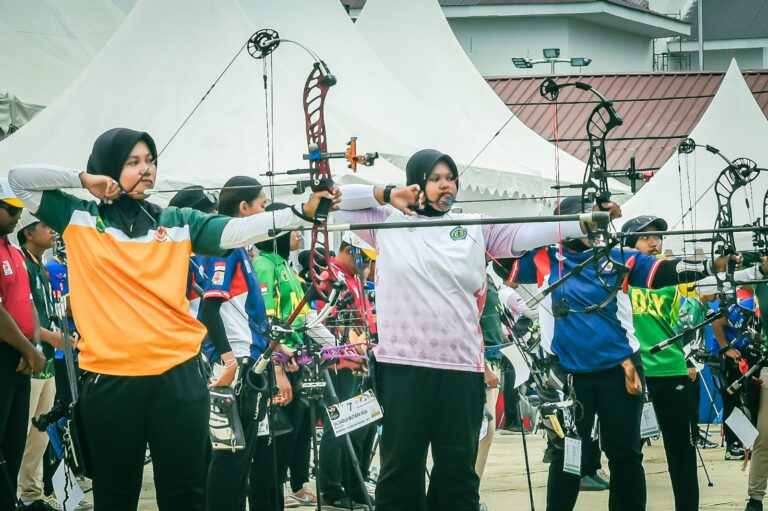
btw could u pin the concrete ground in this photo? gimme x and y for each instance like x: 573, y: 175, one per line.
x: 504, y: 486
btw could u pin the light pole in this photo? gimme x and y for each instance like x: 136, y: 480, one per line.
x: 551, y: 57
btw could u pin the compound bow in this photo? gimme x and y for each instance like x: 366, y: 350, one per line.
x: 325, y: 283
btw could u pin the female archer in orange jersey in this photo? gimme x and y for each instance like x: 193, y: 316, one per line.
x: 128, y: 263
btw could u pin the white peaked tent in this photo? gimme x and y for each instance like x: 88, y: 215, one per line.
x: 44, y: 45
x: 413, y: 39
x: 175, y: 64
x: 734, y: 124
x: 372, y: 93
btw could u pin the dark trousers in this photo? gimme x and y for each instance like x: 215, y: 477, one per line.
x: 122, y: 415
x: 729, y: 374
x: 14, y: 413
x: 337, y: 474
x: 591, y: 459
x: 424, y: 407
x: 263, y: 493
x: 228, y: 472
x: 604, y: 393
x: 511, y: 399
x: 670, y: 402
x: 694, y: 400
x: 293, y: 449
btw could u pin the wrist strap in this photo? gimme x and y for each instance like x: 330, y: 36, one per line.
x: 388, y: 193
x: 299, y: 212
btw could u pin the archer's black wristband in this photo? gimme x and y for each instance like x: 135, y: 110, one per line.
x: 388, y: 193
x: 299, y: 212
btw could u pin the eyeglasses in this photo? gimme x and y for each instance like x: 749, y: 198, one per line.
x: 12, y: 210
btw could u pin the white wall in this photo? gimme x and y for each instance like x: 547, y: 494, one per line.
x: 492, y: 42
x: 747, y: 58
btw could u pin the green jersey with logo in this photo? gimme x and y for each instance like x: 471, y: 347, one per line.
x: 41, y: 296
x: 655, y: 314
x: 281, y: 290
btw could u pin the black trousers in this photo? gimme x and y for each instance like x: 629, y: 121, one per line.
x: 511, y: 399
x: 228, y: 472
x: 337, y: 473
x: 694, y: 400
x: 14, y: 413
x: 293, y: 449
x: 122, y: 415
x: 729, y: 374
x: 670, y: 402
x: 604, y: 393
x: 424, y: 407
x: 263, y: 492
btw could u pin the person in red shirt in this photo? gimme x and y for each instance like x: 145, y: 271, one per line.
x: 19, y: 357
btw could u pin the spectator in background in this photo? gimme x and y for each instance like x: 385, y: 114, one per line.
x: 19, y: 357
x: 35, y: 238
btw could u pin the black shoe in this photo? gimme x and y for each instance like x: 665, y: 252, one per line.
x: 705, y: 443
x: 754, y: 505
x: 343, y: 502
x: 39, y: 505
x: 734, y: 452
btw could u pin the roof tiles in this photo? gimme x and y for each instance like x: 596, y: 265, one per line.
x: 658, y: 110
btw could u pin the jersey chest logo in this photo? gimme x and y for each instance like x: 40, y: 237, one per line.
x: 7, y: 269
x: 161, y: 234
x: 458, y: 233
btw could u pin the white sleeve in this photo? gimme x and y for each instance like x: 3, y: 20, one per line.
x: 241, y: 232
x: 29, y: 182
x: 531, y: 236
x: 358, y: 197
x: 708, y: 285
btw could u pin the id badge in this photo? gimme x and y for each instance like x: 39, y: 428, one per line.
x: 572, y: 461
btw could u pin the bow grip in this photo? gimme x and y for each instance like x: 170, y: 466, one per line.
x: 323, y: 209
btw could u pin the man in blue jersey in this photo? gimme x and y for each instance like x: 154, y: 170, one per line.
x: 600, y: 350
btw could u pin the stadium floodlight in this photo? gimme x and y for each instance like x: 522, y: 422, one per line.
x: 551, y: 53
x: 522, y: 62
x: 580, y: 62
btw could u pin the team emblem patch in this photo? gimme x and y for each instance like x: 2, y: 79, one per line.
x: 458, y: 233
x: 219, y: 269
x: 100, y: 225
x: 161, y: 234
x: 7, y: 270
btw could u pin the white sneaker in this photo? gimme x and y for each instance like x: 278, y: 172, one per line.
x: 289, y: 501
x: 305, y: 496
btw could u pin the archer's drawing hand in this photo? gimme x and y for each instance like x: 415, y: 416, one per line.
x: 101, y: 187
x: 406, y: 197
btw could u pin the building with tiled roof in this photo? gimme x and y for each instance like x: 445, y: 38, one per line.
x: 616, y: 35
x: 658, y: 110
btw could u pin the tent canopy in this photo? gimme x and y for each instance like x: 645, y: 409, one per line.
x: 682, y: 191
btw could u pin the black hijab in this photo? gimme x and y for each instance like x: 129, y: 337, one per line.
x: 109, y: 154
x: 280, y: 245
x: 418, y: 169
